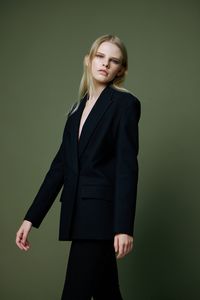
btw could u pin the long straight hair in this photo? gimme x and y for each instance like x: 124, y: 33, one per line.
x: 87, y: 84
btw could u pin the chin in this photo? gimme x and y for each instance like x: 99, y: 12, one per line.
x: 98, y: 80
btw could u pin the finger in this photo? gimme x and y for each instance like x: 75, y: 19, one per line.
x: 21, y: 241
x: 18, y: 239
x: 19, y: 245
x: 130, y: 246
x: 116, y: 244
x: 24, y: 238
x: 121, y: 250
x: 126, y: 248
x: 25, y: 247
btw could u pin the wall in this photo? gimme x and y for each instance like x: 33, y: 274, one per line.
x: 42, y: 47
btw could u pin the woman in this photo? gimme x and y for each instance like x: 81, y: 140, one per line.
x: 97, y: 166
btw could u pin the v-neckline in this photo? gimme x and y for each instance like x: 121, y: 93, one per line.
x: 87, y: 116
x: 92, y: 109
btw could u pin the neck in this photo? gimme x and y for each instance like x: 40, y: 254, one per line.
x: 97, y: 91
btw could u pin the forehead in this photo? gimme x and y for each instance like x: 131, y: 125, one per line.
x: 110, y: 49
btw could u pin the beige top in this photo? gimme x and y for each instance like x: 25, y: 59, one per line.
x: 88, y: 106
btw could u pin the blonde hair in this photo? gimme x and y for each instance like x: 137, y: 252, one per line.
x: 86, y: 84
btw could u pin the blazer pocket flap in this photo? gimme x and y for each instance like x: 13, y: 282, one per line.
x: 96, y: 191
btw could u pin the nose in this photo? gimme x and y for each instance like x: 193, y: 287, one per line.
x: 106, y: 64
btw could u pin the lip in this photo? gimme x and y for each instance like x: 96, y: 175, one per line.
x: 103, y: 71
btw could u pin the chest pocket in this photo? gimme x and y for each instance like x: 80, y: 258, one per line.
x: 96, y: 192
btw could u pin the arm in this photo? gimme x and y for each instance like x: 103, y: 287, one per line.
x: 48, y: 191
x: 50, y: 186
x: 44, y: 199
x: 46, y: 195
x: 126, y: 176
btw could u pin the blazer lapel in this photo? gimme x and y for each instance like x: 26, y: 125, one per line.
x: 74, y: 127
x: 96, y: 113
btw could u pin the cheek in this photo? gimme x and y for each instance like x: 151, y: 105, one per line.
x: 117, y: 69
x: 94, y: 66
x: 114, y: 71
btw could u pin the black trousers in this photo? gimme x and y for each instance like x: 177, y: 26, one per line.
x: 92, y: 271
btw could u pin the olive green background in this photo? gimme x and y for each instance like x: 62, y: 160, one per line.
x: 42, y: 48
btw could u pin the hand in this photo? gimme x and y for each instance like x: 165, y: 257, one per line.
x: 123, y: 244
x: 21, y: 236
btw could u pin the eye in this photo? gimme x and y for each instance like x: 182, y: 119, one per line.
x: 115, y: 61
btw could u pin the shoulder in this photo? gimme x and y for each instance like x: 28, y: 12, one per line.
x: 126, y: 102
x: 124, y: 98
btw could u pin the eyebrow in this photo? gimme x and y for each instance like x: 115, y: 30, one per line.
x: 111, y: 57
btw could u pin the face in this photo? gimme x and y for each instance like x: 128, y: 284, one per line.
x: 106, y: 64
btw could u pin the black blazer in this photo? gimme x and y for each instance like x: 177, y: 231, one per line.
x: 98, y: 173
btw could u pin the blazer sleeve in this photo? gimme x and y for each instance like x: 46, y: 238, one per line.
x: 51, y: 185
x: 48, y: 190
x: 127, y: 169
